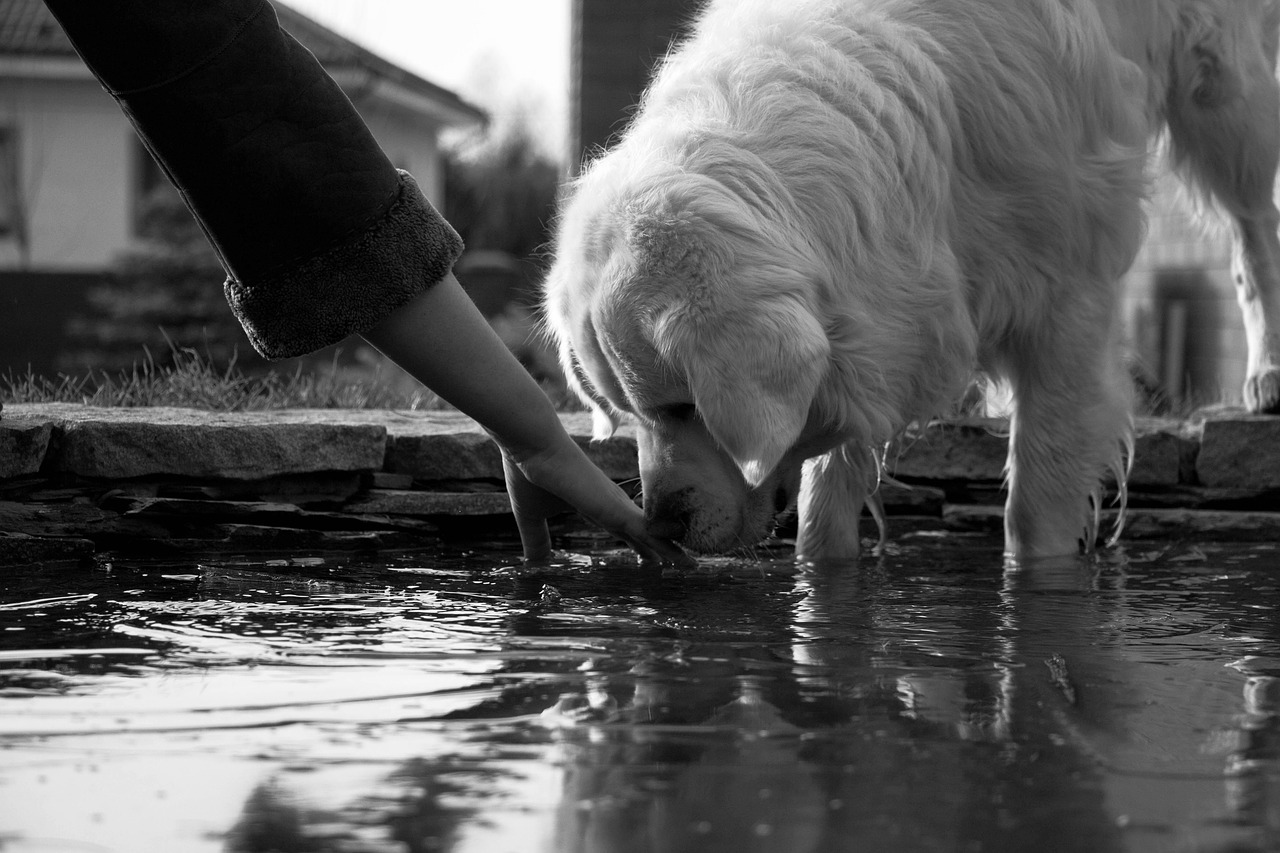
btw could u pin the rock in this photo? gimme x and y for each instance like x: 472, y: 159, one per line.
x: 195, y: 513
x: 252, y: 537
x: 387, y: 480
x: 903, y: 499
x: 1240, y: 451
x: 973, y: 519
x: 23, y: 444
x: 974, y: 449
x: 1171, y: 525
x: 965, y: 449
x: 76, y: 521
x: 616, y: 456
x: 204, y: 445
x: 435, y: 456
x: 454, y: 448
x: 18, y: 549
x: 321, y: 487
x: 1161, y: 454
x: 55, y: 519
x: 398, y: 502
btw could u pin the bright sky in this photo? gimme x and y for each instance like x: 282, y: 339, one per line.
x: 506, y: 56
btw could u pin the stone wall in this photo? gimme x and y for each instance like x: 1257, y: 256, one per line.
x: 77, y: 481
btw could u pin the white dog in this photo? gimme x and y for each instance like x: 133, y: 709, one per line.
x: 1211, y: 91
x: 826, y: 216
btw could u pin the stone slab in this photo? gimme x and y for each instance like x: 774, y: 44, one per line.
x: 23, y: 445
x: 457, y: 456
x: 974, y: 449
x: 404, y: 502
x: 968, y: 449
x: 141, y: 442
x: 190, y: 513
x: 1162, y: 455
x: 1201, y: 525
x: 1239, y: 451
x: 19, y: 549
x: 1142, y: 525
x: 291, y: 541
x: 900, y: 498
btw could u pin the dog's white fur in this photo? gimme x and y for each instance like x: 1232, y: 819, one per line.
x: 1211, y: 94
x: 826, y: 216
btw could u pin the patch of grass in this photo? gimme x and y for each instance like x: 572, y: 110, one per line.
x: 191, y: 380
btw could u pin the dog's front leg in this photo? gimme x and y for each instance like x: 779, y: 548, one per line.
x: 1072, y: 423
x: 833, y: 491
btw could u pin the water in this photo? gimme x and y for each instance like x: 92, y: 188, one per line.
x: 927, y: 700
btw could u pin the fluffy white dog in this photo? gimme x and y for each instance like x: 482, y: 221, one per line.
x: 826, y: 216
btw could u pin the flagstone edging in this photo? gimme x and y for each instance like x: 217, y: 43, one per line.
x: 77, y: 480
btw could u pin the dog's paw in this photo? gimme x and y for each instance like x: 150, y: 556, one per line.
x: 1262, y: 392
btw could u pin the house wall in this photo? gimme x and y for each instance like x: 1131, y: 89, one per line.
x: 79, y: 157
x: 410, y: 141
x: 73, y: 173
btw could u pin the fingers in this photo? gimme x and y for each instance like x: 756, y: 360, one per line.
x: 539, y: 488
x: 661, y: 551
x: 535, y: 537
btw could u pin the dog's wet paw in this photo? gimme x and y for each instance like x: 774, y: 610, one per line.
x: 1262, y: 392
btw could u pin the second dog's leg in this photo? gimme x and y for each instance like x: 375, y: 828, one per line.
x: 1256, y: 272
x: 1229, y: 146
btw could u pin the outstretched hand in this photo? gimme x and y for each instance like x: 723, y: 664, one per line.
x: 562, y: 478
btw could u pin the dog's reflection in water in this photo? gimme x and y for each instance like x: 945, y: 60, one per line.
x: 892, y: 720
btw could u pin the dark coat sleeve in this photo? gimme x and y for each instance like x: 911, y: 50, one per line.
x: 319, y: 234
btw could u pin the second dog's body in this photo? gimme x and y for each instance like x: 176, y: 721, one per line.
x: 1210, y: 89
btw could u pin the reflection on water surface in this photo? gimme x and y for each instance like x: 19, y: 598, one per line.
x: 926, y: 700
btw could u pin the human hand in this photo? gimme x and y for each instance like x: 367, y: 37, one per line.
x: 562, y: 478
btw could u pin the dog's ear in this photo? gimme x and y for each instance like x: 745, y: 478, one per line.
x: 753, y: 373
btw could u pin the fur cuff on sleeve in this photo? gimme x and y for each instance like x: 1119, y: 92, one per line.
x: 314, y: 302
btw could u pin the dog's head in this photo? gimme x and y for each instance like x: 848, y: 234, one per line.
x: 673, y: 302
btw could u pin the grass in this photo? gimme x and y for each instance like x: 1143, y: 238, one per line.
x: 191, y: 380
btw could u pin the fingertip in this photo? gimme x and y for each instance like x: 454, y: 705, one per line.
x: 535, y: 539
x: 669, y: 553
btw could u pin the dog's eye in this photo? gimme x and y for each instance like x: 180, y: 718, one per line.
x: 679, y: 411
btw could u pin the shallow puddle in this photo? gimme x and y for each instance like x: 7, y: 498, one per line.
x: 926, y: 700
